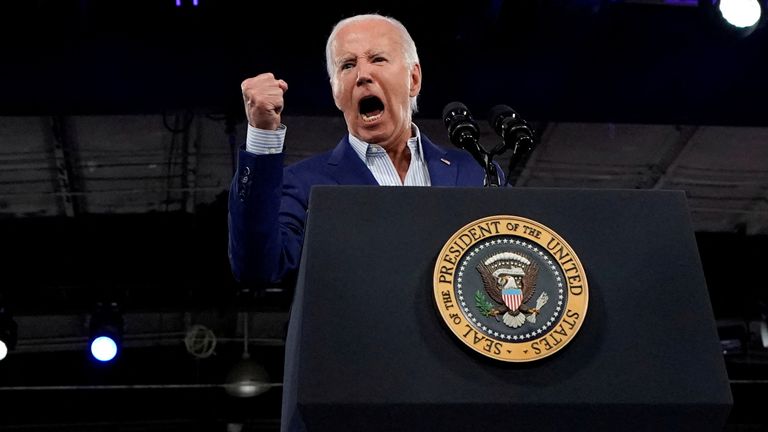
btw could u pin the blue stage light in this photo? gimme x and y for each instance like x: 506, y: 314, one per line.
x: 106, y: 332
x: 3, y: 350
x: 103, y: 348
x: 8, y: 330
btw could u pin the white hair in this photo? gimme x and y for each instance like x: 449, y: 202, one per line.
x: 409, y: 47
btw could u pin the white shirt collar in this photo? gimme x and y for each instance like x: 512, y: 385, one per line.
x: 365, y: 150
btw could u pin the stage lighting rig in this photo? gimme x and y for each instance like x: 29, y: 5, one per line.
x: 106, y: 332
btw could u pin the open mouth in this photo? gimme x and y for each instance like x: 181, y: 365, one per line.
x: 371, y: 108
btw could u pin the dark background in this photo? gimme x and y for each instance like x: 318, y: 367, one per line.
x: 578, y: 60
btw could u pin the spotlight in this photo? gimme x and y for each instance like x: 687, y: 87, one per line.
x: 8, y: 328
x: 740, y: 13
x: 106, y: 332
x: 247, y: 378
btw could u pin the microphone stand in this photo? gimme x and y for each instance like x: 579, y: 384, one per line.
x: 467, y: 141
x: 491, y: 174
x: 522, y: 147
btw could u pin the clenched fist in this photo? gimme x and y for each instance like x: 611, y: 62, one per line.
x: 263, y: 99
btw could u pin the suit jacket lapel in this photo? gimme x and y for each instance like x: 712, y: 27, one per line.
x: 346, y: 167
x: 442, y: 170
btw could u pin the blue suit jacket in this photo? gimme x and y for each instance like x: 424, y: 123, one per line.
x: 268, y: 203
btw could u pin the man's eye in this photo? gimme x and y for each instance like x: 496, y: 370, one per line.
x: 379, y: 59
x: 347, y: 65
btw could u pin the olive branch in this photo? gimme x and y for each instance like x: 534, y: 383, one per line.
x: 483, y: 303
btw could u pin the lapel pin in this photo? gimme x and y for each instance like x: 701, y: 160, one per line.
x: 445, y: 161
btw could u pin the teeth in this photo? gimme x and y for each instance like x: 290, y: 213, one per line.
x: 367, y: 118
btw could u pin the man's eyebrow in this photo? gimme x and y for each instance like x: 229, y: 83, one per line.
x: 344, y: 58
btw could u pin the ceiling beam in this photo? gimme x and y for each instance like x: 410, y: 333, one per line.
x: 64, y: 155
x: 671, y: 158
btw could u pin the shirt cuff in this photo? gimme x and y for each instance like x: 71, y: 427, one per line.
x: 262, y: 141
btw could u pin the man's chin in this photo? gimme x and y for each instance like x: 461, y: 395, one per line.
x: 372, y: 134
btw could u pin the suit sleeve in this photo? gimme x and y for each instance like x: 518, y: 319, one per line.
x: 267, y: 212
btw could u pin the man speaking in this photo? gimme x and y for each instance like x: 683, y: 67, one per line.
x: 375, y: 78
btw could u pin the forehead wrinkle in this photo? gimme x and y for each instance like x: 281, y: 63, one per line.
x: 370, y: 53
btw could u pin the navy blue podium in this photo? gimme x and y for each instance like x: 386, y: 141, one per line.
x: 367, y: 350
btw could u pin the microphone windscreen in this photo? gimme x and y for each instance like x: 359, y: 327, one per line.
x: 454, y: 107
x: 496, y: 116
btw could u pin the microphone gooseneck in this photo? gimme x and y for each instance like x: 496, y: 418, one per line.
x: 464, y: 133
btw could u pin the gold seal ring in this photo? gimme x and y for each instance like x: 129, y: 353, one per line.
x: 510, y: 288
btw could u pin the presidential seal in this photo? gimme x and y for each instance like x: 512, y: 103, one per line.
x: 510, y: 288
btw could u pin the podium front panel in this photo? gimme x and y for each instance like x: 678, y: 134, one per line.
x: 375, y: 354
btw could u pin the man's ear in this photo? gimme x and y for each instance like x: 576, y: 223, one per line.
x: 415, y: 80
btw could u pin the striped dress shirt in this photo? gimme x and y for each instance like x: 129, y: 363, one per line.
x: 260, y: 141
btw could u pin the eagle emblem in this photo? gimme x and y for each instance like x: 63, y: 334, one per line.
x: 509, y: 279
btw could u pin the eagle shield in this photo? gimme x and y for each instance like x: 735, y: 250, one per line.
x: 512, y: 297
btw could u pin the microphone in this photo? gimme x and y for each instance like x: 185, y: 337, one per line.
x: 516, y: 133
x: 465, y: 134
x: 463, y: 130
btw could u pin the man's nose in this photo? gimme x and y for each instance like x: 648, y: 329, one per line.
x: 364, y: 74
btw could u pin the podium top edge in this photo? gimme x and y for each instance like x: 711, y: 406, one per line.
x: 442, y: 189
